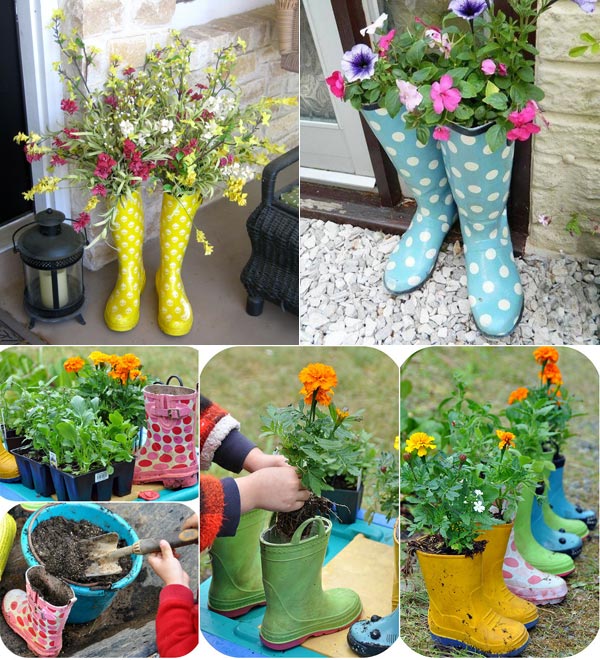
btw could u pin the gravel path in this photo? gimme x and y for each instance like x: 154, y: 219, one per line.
x: 344, y: 302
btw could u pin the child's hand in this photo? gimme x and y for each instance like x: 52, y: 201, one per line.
x: 273, y: 489
x: 191, y: 522
x: 257, y: 460
x: 167, y: 567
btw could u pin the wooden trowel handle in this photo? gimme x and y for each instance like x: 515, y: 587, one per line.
x: 146, y: 546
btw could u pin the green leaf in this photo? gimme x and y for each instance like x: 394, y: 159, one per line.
x: 497, y: 101
x: 587, y: 37
x: 392, y: 102
x: 495, y: 137
x: 526, y: 74
x: 578, y: 51
x: 423, y: 134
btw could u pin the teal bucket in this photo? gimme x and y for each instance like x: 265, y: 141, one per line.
x: 92, y: 599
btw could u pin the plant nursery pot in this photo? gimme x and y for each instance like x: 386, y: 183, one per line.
x: 34, y: 474
x: 12, y: 440
x: 92, y: 599
x: 347, y: 503
x: 97, y: 485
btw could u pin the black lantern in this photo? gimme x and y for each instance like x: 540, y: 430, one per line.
x: 52, y: 256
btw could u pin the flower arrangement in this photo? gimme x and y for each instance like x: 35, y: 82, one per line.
x: 542, y: 413
x: 152, y: 126
x: 116, y: 381
x: 317, y: 437
x: 476, y: 69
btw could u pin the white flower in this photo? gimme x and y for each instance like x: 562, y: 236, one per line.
x: 478, y: 492
x: 370, y: 29
x: 165, y: 125
x: 126, y: 128
x: 478, y: 507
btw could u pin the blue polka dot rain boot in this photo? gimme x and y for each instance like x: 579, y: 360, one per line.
x: 421, y: 168
x: 552, y: 539
x: 558, y: 500
x: 480, y: 182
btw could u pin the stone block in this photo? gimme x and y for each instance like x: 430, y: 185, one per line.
x: 570, y: 88
x: 131, y: 50
x: 101, y: 16
x: 559, y: 29
x: 155, y: 12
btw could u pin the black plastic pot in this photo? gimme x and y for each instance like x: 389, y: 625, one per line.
x: 346, y: 503
x: 34, y: 474
x: 12, y: 440
x: 96, y: 485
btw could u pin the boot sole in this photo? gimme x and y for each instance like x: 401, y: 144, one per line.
x: 455, y: 643
x: 365, y: 650
x: 233, y: 614
x: 284, y: 646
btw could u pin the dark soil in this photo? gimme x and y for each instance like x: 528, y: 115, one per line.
x: 287, y: 523
x: 51, y: 589
x: 56, y: 542
x: 433, y: 544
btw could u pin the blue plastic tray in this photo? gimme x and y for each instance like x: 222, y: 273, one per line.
x: 239, y: 637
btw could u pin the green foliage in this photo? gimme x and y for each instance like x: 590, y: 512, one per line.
x: 322, y: 444
x: 591, y: 46
x: 386, y: 482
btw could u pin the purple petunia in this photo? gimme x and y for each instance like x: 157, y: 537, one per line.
x: 587, y: 5
x: 359, y: 63
x: 468, y: 9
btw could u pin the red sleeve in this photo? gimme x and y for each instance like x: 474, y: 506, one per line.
x: 176, y: 622
x: 212, y: 507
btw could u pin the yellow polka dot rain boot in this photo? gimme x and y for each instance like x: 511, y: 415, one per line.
x: 175, y: 315
x: 8, y: 530
x: 122, y: 311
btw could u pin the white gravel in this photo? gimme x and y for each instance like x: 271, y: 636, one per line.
x: 344, y: 302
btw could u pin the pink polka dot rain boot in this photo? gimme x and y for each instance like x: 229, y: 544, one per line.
x: 169, y: 453
x: 39, y: 613
x: 528, y: 582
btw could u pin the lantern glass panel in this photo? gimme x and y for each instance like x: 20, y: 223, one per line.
x: 54, y: 289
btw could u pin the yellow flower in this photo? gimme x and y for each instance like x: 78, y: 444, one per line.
x: 506, y: 439
x: 341, y: 414
x: 420, y: 442
x: 545, y: 354
x: 397, y: 443
x: 319, y: 378
x: 518, y: 395
x: 74, y: 364
x: 97, y: 357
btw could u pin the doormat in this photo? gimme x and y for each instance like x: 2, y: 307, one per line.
x: 13, y: 333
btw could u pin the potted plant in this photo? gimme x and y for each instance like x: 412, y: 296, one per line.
x: 320, y: 440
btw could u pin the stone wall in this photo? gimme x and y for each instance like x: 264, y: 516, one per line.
x: 132, y: 27
x: 566, y: 156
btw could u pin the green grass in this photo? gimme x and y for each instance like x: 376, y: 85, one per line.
x: 492, y: 373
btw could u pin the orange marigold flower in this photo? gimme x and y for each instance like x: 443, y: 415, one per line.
x: 74, y: 364
x: 98, y: 357
x: 135, y: 373
x: 506, y: 439
x: 420, y: 442
x: 551, y: 374
x: 341, y: 414
x: 545, y: 354
x: 319, y: 378
x: 518, y: 395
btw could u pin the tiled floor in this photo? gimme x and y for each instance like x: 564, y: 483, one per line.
x: 212, y: 283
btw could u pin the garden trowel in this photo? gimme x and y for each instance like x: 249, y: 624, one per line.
x: 103, y: 554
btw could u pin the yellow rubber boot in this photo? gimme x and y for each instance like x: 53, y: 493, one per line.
x: 459, y: 615
x: 8, y: 465
x: 122, y: 311
x: 175, y: 315
x: 496, y: 593
x: 8, y: 530
x: 395, y: 586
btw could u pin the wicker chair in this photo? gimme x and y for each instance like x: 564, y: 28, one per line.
x: 272, y: 270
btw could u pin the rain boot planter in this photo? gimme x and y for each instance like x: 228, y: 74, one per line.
x: 551, y: 539
x: 169, y: 453
x: 558, y: 500
x: 97, y: 485
x: 480, y: 182
x: 122, y: 311
x: 525, y: 581
x: 346, y: 502
x: 8, y: 530
x: 84, y: 520
x: 236, y: 585
x: 571, y: 525
x: 459, y: 613
x: 547, y: 561
x: 39, y: 613
x: 495, y: 591
x: 35, y: 474
x: 9, y: 470
x: 297, y: 606
x: 422, y: 169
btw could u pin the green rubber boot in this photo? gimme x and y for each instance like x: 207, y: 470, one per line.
x: 555, y: 563
x: 560, y: 524
x: 297, y: 606
x: 236, y: 586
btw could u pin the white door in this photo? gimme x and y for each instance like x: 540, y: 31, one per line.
x: 332, y: 147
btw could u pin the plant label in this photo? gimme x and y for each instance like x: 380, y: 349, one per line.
x: 100, y: 476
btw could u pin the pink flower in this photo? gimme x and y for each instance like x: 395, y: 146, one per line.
x: 544, y: 219
x: 441, y: 133
x: 384, y: 43
x: 523, y: 122
x: 336, y: 84
x: 502, y: 69
x: 99, y: 190
x: 410, y: 96
x: 104, y: 166
x: 488, y: 67
x: 444, y: 96
x: 69, y: 106
x: 439, y: 40
x: 83, y: 220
